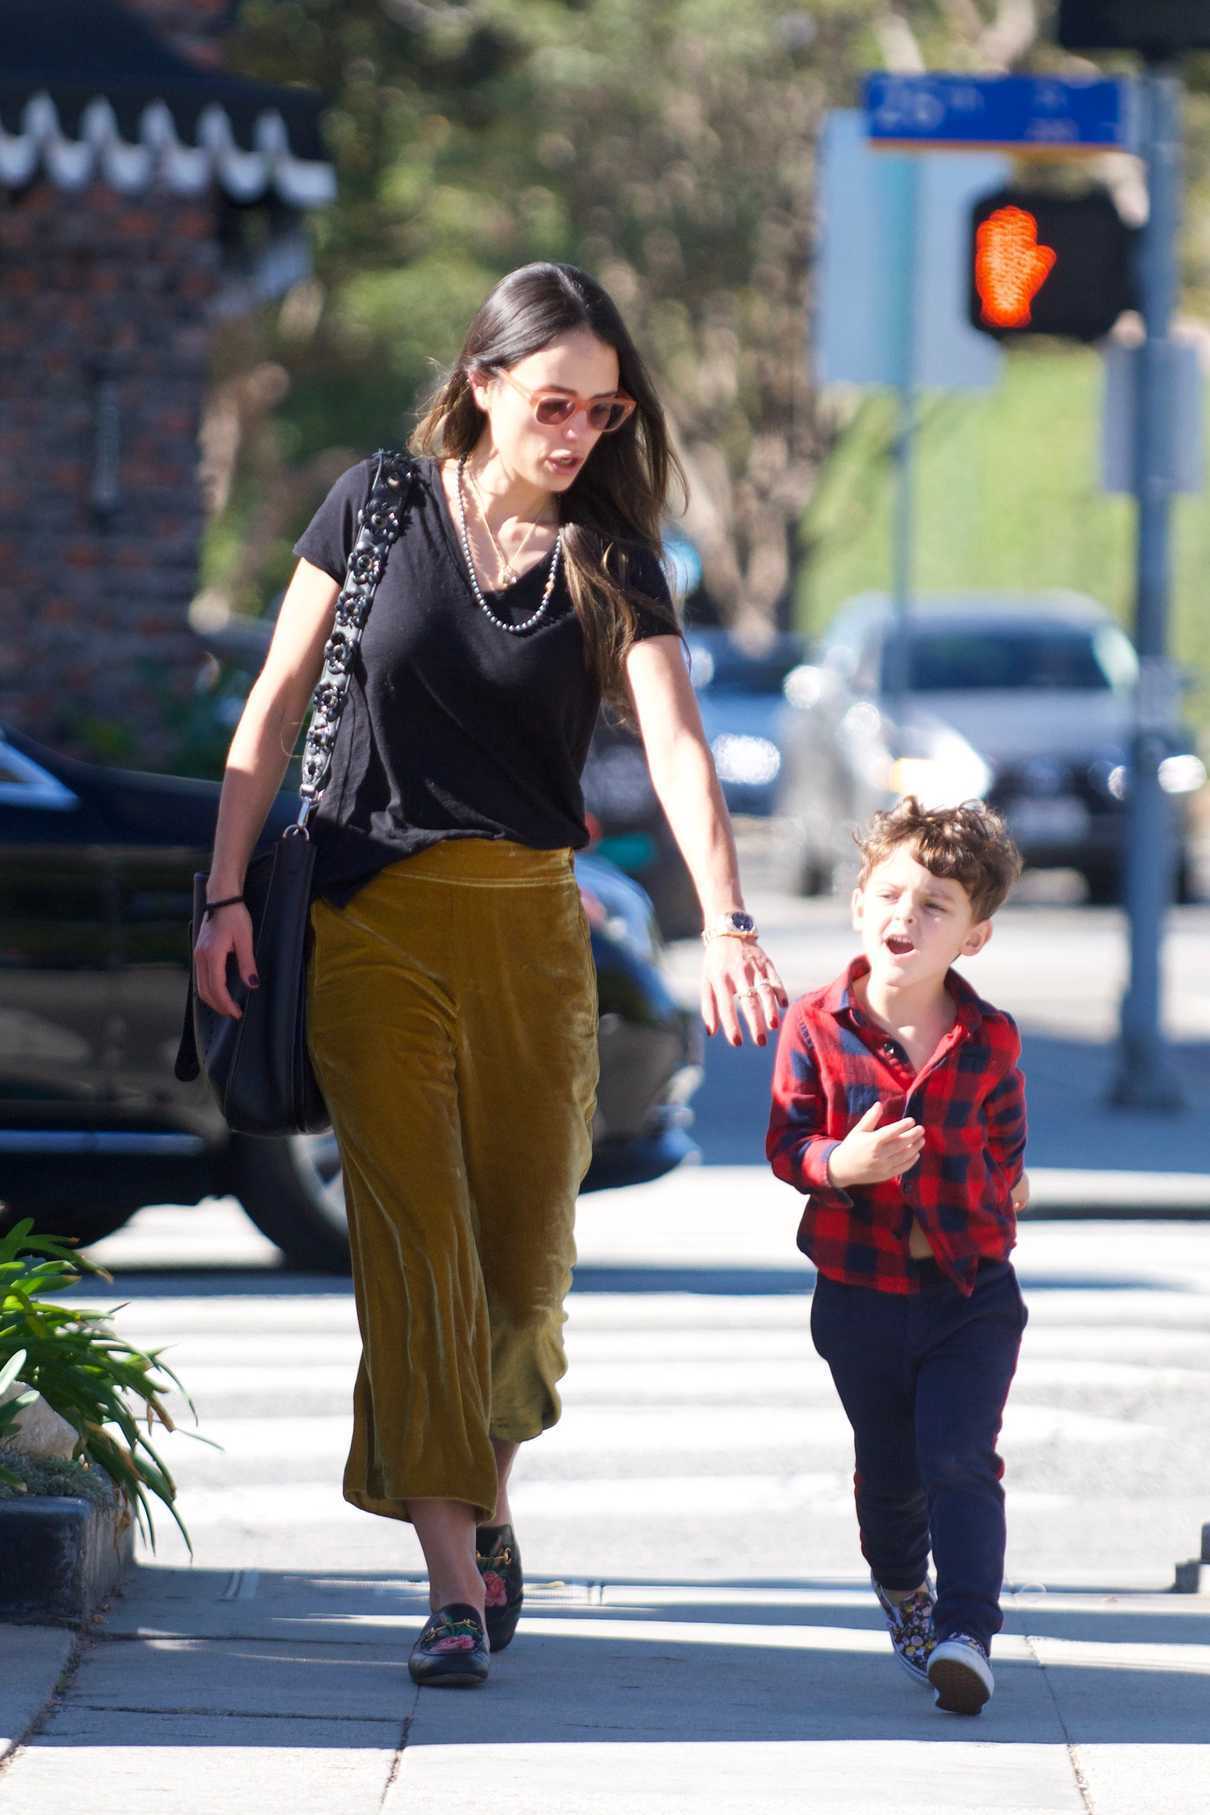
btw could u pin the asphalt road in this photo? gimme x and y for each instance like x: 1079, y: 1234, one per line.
x: 1060, y: 968
x: 694, y: 1402
x: 693, y: 1572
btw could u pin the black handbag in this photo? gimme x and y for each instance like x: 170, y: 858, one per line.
x: 258, y: 1067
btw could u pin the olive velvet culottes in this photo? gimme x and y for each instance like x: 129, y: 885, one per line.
x: 453, y: 1027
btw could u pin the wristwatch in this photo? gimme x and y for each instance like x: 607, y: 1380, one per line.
x: 733, y: 925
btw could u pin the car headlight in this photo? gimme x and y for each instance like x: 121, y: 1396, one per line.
x: 803, y: 687
x: 740, y: 759
x: 944, y: 780
x: 1182, y: 774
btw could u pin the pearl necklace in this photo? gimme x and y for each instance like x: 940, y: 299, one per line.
x: 500, y: 623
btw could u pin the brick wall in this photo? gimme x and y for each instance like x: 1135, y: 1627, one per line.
x: 103, y: 333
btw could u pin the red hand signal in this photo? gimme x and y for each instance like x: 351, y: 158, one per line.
x: 1010, y: 266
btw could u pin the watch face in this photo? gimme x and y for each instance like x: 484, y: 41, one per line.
x: 740, y: 923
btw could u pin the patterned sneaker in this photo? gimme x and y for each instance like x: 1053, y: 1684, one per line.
x: 451, y: 1652
x: 910, y: 1623
x: 499, y: 1563
x: 961, y: 1674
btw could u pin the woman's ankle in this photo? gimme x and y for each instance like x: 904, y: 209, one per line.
x: 449, y: 1591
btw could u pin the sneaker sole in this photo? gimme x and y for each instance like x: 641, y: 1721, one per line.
x: 960, y: 1690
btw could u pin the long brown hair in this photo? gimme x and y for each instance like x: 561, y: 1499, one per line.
x: 614, y: 508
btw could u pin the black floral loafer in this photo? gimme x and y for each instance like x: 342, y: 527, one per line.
x: 451, y: 1652
x: 499, y: 1563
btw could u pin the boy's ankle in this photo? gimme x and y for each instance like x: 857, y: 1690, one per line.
x: 899, y: 1595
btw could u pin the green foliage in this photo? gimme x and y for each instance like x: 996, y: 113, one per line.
x: 105, y: 1388
x: 11, y: 1408
x: 1008, y: 497
x: 669, y: 148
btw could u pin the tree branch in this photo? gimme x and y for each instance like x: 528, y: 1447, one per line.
x: 1012, y: 33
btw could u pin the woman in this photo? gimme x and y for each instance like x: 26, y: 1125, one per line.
x: 452, y: 1000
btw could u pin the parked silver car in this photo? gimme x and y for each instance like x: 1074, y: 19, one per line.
x: 1025, y: 701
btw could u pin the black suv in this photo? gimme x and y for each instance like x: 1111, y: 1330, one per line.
x: 96, y: 869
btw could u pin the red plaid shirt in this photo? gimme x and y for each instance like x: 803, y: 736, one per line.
x: 833, y: 1062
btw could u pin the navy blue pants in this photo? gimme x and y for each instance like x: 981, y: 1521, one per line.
x: 923, y: 1378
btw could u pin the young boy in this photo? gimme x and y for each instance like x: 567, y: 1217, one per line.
x: 899, y: 1109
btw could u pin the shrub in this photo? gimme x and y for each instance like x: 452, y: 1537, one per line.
x: 103, y: 1386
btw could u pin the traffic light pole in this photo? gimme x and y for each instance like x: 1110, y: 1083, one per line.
x: 1145, y: 1078
x: 904, y: 264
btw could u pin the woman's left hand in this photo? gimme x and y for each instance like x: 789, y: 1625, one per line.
x: 740, y: 979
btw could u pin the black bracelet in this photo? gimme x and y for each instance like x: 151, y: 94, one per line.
x: 228, y: 901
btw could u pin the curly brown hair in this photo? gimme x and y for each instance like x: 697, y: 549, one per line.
x: 969, y: 843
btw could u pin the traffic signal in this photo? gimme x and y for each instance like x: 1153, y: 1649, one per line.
x: 1160, y: 28
x: 1049, y: 264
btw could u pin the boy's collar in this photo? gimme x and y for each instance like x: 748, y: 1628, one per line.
x: 841, y: 997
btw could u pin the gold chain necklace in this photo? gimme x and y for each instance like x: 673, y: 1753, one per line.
x: 508, y: 573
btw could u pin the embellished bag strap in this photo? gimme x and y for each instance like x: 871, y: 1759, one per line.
x: 379, y: 523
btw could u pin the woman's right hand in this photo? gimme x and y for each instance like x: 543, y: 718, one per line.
x: 256, y: 768
x: 227, y: 931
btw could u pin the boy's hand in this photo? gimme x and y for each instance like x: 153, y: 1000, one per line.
x: 1021, y: 1193
x: 869, y: 1154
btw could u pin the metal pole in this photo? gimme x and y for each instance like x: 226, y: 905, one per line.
x: 1145, y: 1077
x: 906, y: 224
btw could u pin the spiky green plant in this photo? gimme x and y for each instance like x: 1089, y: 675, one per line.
x: 106, y: 1389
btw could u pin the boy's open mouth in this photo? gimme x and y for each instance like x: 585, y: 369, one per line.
x: 898, y: 945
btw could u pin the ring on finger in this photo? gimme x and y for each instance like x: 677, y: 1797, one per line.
x: 743, y: 994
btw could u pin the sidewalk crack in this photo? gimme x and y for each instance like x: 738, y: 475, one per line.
x: 405, y: 1733
x: 191, y: 1711
x: 1069, y: 1744
x: 19, y: 1742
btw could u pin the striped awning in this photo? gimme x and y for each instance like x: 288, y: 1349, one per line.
x: 88, y: 93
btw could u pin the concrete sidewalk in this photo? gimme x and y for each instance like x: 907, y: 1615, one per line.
x: 208, y: 1690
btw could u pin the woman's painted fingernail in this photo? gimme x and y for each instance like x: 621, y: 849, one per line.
x: 254, y: 982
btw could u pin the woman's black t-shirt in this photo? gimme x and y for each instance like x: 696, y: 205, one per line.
x: 452, y: 727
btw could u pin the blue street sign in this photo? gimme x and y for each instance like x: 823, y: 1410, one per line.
x: 1043, y: 114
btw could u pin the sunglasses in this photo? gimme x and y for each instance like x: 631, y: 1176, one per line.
x: 551, y: 408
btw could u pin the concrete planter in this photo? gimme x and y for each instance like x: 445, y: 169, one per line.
x: 60, y: 1557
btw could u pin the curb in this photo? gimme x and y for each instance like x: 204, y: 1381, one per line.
x: 60, y: 1557
x: 34, y: 1662
x: 1193, y: 1577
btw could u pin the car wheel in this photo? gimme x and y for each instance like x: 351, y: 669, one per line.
x: 293, y: 1190
x: 81, y: 1226
x: 1104, y: 885
x: 808, y: 873
x: 1186, y: 881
